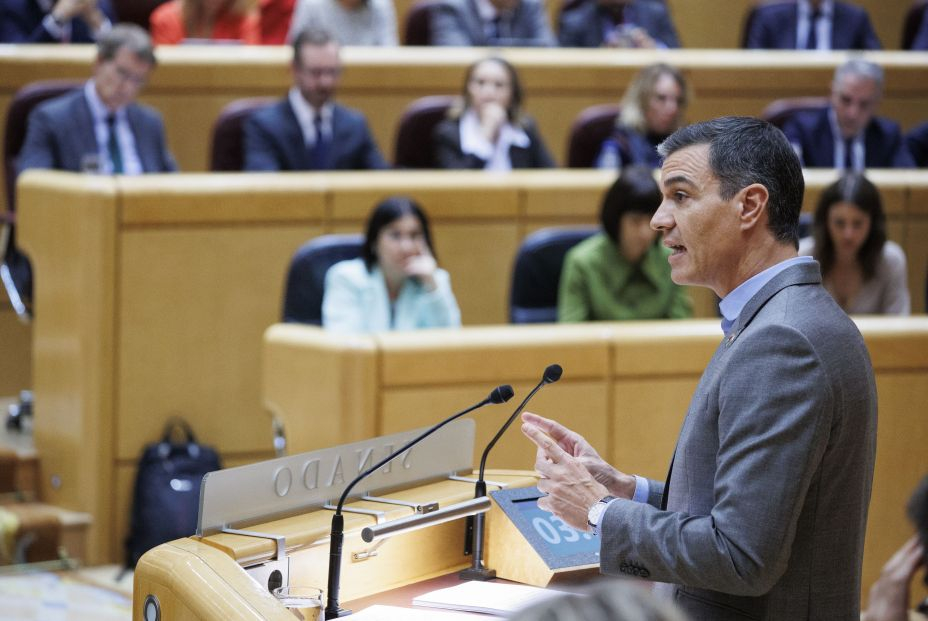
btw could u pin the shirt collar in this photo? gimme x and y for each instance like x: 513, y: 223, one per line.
x: 733, y: 303
x: 306, y: 114
x: 98, y: 109
x: 486, y: 10
x: 826, y: 8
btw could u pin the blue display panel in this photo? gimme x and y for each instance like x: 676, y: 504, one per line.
x: 559, y: 545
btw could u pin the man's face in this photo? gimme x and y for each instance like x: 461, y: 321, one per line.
x: 316, y: 73
x: 120, y: 79
x: 699, y: 226
x: 854, y: 98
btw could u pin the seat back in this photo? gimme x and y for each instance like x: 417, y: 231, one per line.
x: 227, y: 153
x: 17, y: 117
x: 911, y: 22
x: 414, y: 131
x: 587, y: 133
x: 136, y: 11
x: 536, y: 275
x: 417, y: 29
x: 780, y: 111
x: 306, y: 277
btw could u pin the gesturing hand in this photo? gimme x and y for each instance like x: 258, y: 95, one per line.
x: 889, y: 596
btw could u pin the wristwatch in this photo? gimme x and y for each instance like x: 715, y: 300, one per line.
x: 595, y: 514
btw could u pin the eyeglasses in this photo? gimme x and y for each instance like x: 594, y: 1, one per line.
x: 132, y: 78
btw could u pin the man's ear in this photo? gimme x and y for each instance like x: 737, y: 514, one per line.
x: 754, y: 200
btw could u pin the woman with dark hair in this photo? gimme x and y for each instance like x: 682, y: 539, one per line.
x: 863, y: 271
x: 652, y: 108
x: 622, y: 272
x: 488, y: 129
x: 396, y: 284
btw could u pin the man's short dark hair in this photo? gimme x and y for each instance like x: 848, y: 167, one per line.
x: 744, y: 150
x: 128, y: 36
x: 311, y: 35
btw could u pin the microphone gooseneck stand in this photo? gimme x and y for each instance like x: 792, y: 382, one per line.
x: 477, y: 570
x: 500, y: 394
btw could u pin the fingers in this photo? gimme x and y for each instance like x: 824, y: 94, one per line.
x: 545, y: 443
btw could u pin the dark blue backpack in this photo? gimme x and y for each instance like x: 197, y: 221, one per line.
x: 167, y: 490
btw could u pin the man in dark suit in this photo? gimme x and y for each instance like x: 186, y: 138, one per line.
x: 499, y: 23
x: 306, y: 130
x: 847, y: 135
x: 618, y: 23
x: 917, y: 142
x: 811, y: 25
x: 764, y: 511
x: 100, y: 128
x: 51, y: 21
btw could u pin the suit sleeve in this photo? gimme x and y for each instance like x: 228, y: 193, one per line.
x: 569, y: 33
x: 755, y: 38
x: 902, y: 157
x: 664, y: 28
x: 869, y: 39
x: 541, y: 29
x: 447, y: 28
x: 16, y: 28
x: 742, y: 546
x: 258, y: 147
x: 39, y: 148
x: 573, y: 296
x: 372, y: 159
x: 166, y: 158
x: 342, y: 307
x: 540, y: 155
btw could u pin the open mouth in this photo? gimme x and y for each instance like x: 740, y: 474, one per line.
x: 676, y: 248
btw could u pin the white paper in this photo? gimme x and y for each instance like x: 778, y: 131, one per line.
x: 395, y: 613
x: 487, y: 597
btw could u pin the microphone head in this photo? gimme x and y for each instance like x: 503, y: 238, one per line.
x: 552, y: 373
x: 502, y: 394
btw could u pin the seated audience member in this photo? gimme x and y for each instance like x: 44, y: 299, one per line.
x: 889, y: 595
x: 177, y: 21
x: 917, y: 142
x: 100, y: 128
x: 396, y: 284
x: 613, y: 600
x: 847, y: 134
x: 307, y: 130
x: 275, y: 20
x: 652, y: 108
x: 488, y: 130
x: 352, y: 22
x: 497, y: 23
x: 54, y: 21
x: 862, y: 270
x: 811, y: 25
x: 622, y: 272
x: 617, y: 23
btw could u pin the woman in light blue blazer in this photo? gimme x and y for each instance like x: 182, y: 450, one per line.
x: 396, y: 284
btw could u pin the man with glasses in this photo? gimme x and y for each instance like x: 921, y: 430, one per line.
x: 306, y: 130
x: 100, y: 128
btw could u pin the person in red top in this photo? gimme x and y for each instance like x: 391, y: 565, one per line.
x: 275, y: 21
x: 215, y: 20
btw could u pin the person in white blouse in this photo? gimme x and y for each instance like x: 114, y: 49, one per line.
x: 863, y: 271
x: 396, y: 284
x: 352, y: 22
x: 488, y: 129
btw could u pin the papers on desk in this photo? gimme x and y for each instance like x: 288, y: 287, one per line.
x: 486, y: 597
x: 395, y: 613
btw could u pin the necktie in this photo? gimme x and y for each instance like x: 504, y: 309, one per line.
x: 812, y: 40
x: 112, y: 145
x: 496, y: 29
x: 849, y: 154
x: 319, y: 152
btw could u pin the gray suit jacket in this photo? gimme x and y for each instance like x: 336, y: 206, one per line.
x: 766, y: 509
x: 457, y: 22
x: 60, y: 133
x: 583, y: 25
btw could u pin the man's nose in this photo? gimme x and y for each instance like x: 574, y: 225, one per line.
x: 661, y: 220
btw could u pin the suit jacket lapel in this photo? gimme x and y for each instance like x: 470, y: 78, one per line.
x: 84, y: 135
x: 295, y: 151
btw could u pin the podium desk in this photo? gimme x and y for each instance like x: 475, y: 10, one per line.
x: 625, y: 387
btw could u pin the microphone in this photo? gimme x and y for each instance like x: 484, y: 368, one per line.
x: 477, y: 571
x: 500, y: 394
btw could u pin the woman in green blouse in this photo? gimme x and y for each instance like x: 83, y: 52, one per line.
x: 622, y: 272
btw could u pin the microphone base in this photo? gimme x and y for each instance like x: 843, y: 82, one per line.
x: 477, y: 573
x: 341, y: 612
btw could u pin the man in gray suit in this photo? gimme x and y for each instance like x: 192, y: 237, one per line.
x: 513, y: 23
x: 764, y: 510
x: 100, y: 128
